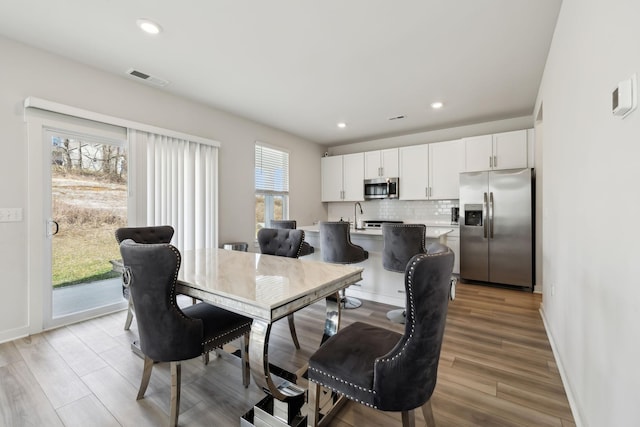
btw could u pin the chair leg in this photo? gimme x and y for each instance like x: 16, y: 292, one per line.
x: 244, y: 353
x: 314, y: 404
x: 176, y: 370
x: 146, y: 376
x: 127, y: 323
x: 427, y: 411
x: 408, y: 419
x: 294, y: 335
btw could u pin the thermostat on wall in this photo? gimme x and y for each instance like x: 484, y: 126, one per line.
x: 624, y: 98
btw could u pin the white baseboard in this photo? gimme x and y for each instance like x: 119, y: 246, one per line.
x: 563, y: 373
x: 14, y: 334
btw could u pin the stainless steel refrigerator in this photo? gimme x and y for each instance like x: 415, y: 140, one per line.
x: 496, y: 227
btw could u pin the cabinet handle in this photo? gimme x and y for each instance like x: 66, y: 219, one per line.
x: 490, y: 161
x: 426, y: 191
x: 401, y: 292
x: 495, y: 161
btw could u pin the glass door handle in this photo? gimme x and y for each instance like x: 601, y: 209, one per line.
x: 52, y: 228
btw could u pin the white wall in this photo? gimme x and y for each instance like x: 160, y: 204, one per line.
x: 30, y: 72
x: 591, y: 202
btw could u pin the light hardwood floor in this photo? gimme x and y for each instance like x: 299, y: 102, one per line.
x: 496, y: 369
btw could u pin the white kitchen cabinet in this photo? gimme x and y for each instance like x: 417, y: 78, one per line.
x: 445, y: 165
x: 414, y: 172
x: 507, y: 150
x: 342, y: 178
x: 453, y: 241
x: 381, y: 164
x: 430, y: 171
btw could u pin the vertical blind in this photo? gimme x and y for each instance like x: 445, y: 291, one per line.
x: 272, y: 170
x: 181, y: 188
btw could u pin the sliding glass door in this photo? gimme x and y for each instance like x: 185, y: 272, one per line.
x: 87, y: 190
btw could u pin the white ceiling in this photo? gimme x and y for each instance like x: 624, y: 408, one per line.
x: 304, y: 65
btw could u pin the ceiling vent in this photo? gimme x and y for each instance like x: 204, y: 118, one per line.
x: 153, y: 80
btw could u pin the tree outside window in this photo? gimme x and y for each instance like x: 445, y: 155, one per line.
x: 272, y: 185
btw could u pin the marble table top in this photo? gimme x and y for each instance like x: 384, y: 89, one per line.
x: 264, y: 287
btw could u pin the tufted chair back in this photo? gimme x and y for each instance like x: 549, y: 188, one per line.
x: 280, y: 241
x: 336, y: 246
x: 152, y: 234
x: 381, y: 368
x: 166, y: 333
x: 401, y: 243
x: 291, y: 224
x: 413, y: 363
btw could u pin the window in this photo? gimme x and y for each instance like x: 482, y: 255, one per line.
x: 272, y: 185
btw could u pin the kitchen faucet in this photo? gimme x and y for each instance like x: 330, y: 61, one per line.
x: 355, y: 215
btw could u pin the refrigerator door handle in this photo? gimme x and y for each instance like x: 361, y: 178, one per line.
x: 484, y: 215
x: 491, y: 215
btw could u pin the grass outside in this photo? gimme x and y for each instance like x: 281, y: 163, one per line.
x: 88, y: 210
x: 82, y: 254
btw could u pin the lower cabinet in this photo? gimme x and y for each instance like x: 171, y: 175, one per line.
x: 454, y: 243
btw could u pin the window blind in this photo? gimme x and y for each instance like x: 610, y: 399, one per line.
x: 179, y: 179
x: 272, y: 170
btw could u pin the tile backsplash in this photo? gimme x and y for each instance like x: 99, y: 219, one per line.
x: 432, y: 211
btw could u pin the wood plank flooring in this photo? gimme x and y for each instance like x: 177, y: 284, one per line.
x: 496, y: 369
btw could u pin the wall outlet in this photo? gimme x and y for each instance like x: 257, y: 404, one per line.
x: 10, y: 214
x: 553, y: 290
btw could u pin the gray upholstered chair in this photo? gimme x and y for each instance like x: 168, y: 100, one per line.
x: 336, y: 247
x: 282, y: 242
x: 291, y: 224
x: 401, y: 243
x: 384, y: 369
x: 152, y: 234
x: 167, y: 332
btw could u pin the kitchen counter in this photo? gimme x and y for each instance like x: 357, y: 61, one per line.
x: 432, y: 232
x: 377, y: 283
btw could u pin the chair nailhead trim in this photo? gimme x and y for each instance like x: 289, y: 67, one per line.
x: 172, y: 297
x: 225, y: 334
x: 366, y: 390
x: 412, y: 306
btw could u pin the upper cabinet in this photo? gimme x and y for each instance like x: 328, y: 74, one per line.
x: 446, y: 161
x: 381, y: 164
x: 430, y: 171
x: 342, y: 178
x: 507, y: 150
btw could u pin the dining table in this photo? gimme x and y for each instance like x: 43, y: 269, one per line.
x: 266, y: 288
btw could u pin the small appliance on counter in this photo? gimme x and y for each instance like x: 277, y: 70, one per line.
x: 455, y: 216
x: 378, y: 223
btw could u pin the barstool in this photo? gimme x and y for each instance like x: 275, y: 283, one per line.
x: 336, y: 247
x: 401, y: 243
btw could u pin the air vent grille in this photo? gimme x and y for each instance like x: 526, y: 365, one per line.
x: 147, y: 78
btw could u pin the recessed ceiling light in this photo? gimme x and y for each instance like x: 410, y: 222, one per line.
x: 342, y: 125
x: 436, y: 105
x: 148, y: 26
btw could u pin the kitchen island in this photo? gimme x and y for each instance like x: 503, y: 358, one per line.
x: 377, y: 283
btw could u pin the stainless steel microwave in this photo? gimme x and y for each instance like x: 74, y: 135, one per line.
x: 381, y: 188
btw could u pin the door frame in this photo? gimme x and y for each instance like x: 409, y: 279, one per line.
x: 38, y: 124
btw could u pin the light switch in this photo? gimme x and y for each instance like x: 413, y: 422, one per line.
x: 624, y: 98
x: 10, y: 214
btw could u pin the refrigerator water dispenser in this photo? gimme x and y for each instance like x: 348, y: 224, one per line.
x: 473, y: 215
